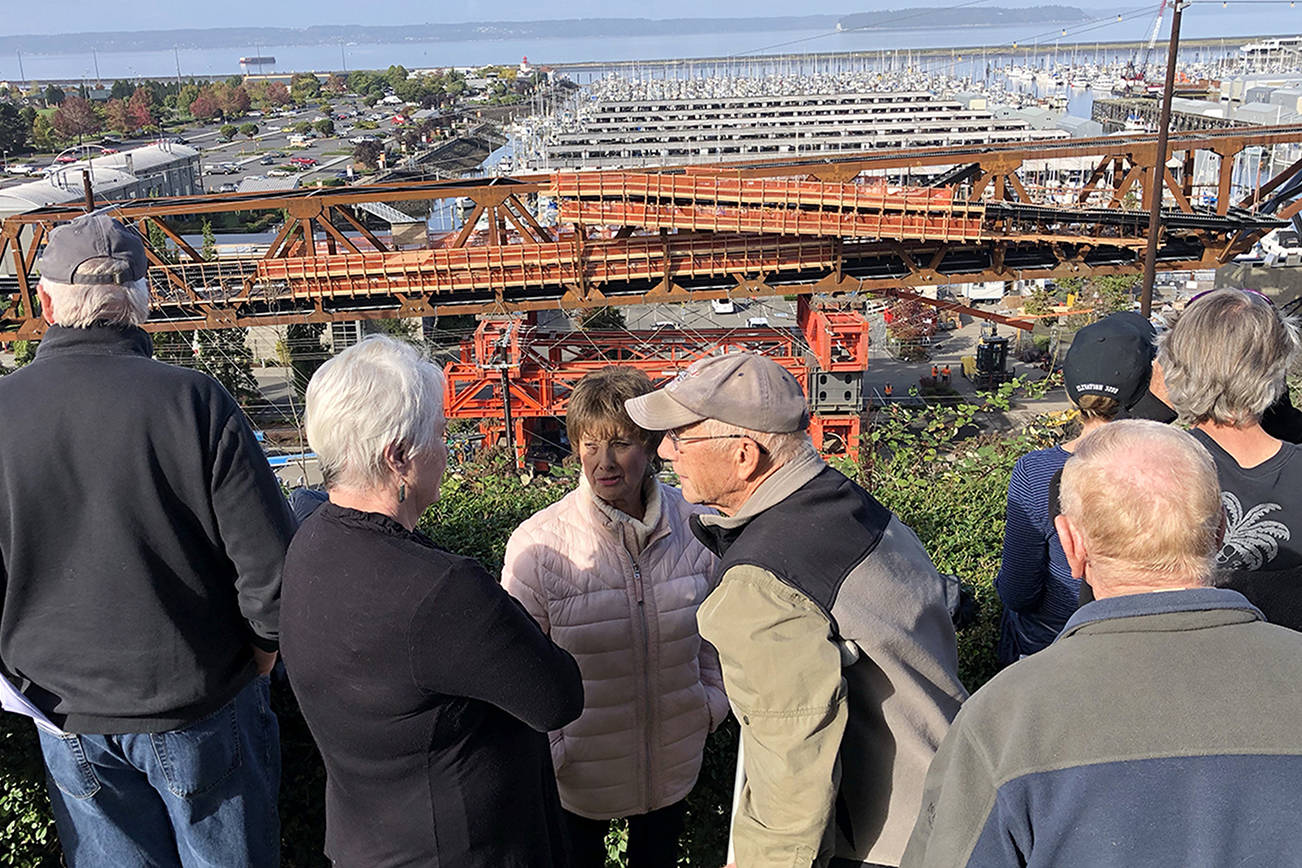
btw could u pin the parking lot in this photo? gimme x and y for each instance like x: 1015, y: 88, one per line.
x: 274, y: 152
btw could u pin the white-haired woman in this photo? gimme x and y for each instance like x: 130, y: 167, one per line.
x: 428, y: 689
x: 1225, y: 362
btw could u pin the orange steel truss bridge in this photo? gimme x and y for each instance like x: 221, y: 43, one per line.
x: 889, y: 222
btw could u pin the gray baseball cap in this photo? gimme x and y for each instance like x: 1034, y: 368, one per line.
x: 96, y: 236
x: 743, y: 389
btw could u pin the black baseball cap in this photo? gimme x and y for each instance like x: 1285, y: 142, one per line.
x: 1113, y: 358
x: 96, y: 236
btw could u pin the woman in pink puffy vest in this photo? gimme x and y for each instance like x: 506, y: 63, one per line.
x: 613, y: 574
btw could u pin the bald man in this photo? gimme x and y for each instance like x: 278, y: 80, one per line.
x: 1161, y: 728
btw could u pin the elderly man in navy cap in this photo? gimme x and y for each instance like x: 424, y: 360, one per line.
x: 141, y: 535
x: 831, y: 624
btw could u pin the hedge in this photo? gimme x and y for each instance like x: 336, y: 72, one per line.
x: 932, y: 467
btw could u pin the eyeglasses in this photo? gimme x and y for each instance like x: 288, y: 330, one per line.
x: 678, y: 440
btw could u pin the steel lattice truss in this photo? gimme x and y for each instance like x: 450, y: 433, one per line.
x: 698, y: 232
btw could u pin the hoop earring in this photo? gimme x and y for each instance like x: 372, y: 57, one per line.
x: 402, y: 491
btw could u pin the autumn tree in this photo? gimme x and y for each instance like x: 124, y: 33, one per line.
x: 336, y: 84
x: 277, y: 93
x: 205, y: 106
x: 140, y: 108
x: 235, y: 101
x: 115, y: 116
x: 76, y: 117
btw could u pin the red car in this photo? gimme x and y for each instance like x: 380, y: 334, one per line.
x: 302, y: 161
x: 65, y: 158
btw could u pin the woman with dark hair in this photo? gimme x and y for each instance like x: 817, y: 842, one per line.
x: 613, y: 574
x: 1107, y: 371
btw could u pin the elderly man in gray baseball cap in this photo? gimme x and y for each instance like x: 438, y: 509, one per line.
x: 142, y: 534
x: 838, y: 651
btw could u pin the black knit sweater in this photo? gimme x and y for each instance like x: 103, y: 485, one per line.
x: 429, y: 691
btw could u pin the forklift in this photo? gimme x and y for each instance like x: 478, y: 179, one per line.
x: 988, y: 369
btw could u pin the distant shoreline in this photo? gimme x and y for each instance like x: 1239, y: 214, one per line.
x: 246, y: 38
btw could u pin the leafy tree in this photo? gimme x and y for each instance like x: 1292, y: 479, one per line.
x: 43, y: 133
x: 367, y: 154
x: 1106, y: 293
x: 402, y: 329
x: 277, y: 93
x: 209, y: 249
x: 249, y: 129
x: 115, y: 116
x: 121, y: 89
x: 602, y: 318
x: 236, y: 101
x: 395, y: 74
x: 186, y: 97
x: 76, y: 117
x: 304, y: 352
x: 54, y: 95
x: 225, y: 356
x: 13, y: 130
x: 140, y: 108
x: 205, y: 106
x: 336, y: 84
x: 228, y: 131
x: 325, y: 127
x: 1041, y: 302
x: 304, y: 86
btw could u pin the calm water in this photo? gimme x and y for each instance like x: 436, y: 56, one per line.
x: 1199, y: 22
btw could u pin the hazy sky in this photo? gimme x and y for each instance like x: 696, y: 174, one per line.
x: 68, y: 16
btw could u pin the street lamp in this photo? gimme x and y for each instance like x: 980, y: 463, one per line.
x: 1158, y: 182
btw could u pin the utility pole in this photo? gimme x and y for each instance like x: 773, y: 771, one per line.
x: 1159, y: 164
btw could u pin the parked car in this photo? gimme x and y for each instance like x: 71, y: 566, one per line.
x: 65, y: 158
x: 278, y: 173
x: 228, y: 187
x: 268, y: 160
x: 757, y: 322
x: 20, y: 168
x: 723, y: 305
x: 305, y: 162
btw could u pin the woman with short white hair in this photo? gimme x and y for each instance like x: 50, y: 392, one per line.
x: 428, y: 689
x: 1225, y: 361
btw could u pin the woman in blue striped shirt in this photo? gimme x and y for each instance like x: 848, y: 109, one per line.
x: 1107, y: 370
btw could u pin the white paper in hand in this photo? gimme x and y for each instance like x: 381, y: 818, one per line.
x: 12, y: 700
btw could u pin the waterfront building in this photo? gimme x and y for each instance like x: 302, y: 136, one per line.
x: 653, y: 131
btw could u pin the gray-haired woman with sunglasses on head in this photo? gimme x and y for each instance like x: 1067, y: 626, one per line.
x: 1224, y: 363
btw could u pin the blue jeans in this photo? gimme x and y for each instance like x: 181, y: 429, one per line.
x: 203, y: 795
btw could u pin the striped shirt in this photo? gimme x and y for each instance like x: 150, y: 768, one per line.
x: 1034, y: 581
